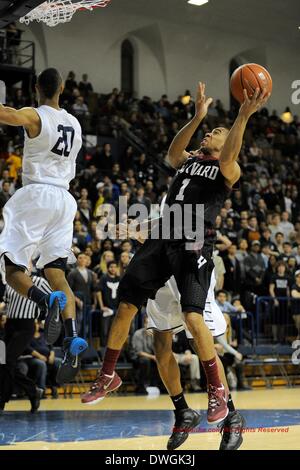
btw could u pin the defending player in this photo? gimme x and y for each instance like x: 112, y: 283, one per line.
x: 39, y: 217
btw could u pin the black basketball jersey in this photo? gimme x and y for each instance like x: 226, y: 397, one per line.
x: 199, y: 181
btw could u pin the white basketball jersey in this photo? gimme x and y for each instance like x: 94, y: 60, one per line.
x: 50, y: 158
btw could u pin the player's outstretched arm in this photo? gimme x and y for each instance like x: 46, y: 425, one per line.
x: 177, y: 152
x: 26, y: 117
x: 230, y: 152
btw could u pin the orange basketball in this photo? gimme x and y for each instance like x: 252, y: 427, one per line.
x: 249, y: 77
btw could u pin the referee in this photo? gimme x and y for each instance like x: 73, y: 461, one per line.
x: 19, y: 330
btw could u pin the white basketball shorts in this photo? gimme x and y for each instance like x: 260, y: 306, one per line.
x: 165, y: 314
x: 38, y: 220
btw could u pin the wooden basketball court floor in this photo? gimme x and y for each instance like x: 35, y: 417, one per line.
x: 144, y: 423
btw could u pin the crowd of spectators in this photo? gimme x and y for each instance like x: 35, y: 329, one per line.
x: 260, y: 220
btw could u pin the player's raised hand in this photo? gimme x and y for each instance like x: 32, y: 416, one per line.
x: 202, y: 103
x: 252, y: 105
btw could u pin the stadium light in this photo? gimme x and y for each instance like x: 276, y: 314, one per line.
x: 197, y: 2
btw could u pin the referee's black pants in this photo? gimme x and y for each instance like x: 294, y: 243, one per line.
x: 18, y: 335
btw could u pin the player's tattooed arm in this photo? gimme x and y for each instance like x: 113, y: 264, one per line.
x: 232, y: 147
x: 26, y: 117
x: 177, y: 153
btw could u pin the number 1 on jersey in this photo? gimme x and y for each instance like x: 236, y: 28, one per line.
x: 180, y: 195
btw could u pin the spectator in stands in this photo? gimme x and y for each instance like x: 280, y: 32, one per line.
x: 43, y: 364
x: 230, y: 230
x: 85, y: 212
x: 79, y: 236
x: 85, y: 86
x: 225, y: 305
x: 279, y: 240
x: 123, y: 262
x: 81, y: 282
x: 261, y: 211
x: 279, y: 287
x: 266, y: 239
x: 274, y: 227
x: 286, y: 226
x: 106, y: 159
x: 5, y: 193
x: 144, y: 359
x: 106, y: 257
x: 187, y: 359
x: 70, y: 83
x: 254, y: 269
x: 265, y: 253
x: 106, y: 293
x: 232, y: 277
x: 127, y: 246
x: 141, y: 199
x: 295, y: 293
x: 297, y: 254
x: 287, y: 252
x: 252, y: 233
x: 241, y: 254
x: 79, y: 108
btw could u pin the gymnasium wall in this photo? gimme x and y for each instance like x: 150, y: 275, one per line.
x: 169, y: 57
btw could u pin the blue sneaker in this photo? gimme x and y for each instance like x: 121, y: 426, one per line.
x: 69, y: 368
x: 56, y: 302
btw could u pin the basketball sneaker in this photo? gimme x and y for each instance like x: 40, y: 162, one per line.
x: 103, y: 385
x: 73, y: 348
x: 186, y: 420
x: 35, y: 401
x: 55, y: 303
x: 232, y: 431
x: 217, y: 404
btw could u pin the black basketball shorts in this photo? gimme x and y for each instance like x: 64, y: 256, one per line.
x: 156, y: 261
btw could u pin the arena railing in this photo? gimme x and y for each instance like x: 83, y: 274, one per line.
x: 274, y: 320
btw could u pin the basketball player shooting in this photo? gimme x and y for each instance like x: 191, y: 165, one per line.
x: 38, y: 218
x: 204, y: 177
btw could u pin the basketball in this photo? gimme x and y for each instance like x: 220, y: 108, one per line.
x: 249, y: 77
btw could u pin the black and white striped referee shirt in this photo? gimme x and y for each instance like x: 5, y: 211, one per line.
x: 20, y: 307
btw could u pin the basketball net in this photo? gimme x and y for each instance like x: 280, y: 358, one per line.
x: 53, y: 12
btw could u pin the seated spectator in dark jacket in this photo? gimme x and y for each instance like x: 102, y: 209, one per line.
x: 230, y: 230
x: 144, y: 359
x: 85, y: 86
x: 266, y: 239
x: 279, y: 287
x: 295, y: 293
x: 42, y: 365
x: 4, y: 193
x: 79, y: 236
x: 187, y: 359
x: 106, y: 293
x: 85, y: 212
x: 252, y: 232
x: 232, y: 277
x: 255, y: 269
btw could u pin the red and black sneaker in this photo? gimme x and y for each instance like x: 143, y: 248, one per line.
x: 217, y: 404
x: 103, y: 385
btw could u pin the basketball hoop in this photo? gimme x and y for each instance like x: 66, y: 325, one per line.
x: 53, y: 12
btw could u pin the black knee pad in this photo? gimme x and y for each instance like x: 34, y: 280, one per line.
x: 59, y: 263
x: 17, y: 267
